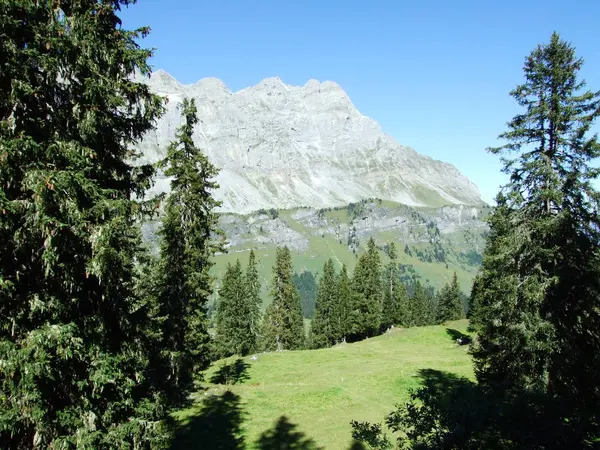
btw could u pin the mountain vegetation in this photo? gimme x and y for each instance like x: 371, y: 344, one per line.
x: 535, y: 301
x: 104, y: 334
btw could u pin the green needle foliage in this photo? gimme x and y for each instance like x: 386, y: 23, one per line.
x: 254, y: 302
x: 324, y: 327
x: 419, y: 307
x: 395, y: 301
x: 74, y: 335
x: 233, y: 318
x: 368, y: 294
x: 549, y: 241
x: 450, y: 302
x: 283, y: 325
x: 344, y: 306
x: 183, y: 283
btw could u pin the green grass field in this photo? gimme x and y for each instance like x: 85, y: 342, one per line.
x: 323, y: 390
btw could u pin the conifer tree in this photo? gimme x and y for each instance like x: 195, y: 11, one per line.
x: 324, y: 327
x: 394, y: 310
x: 233, y: 318
x: 367, y: 294
x: 419, y: 307
x: 542, y: 255
x: 187, y: 243
x: 283, y: 325
x: 344, y: 305
x: 450, y: 302
x: 252, y: 286
x: 74, y: 334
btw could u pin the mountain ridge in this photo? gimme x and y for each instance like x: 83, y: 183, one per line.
x: 281, y: 146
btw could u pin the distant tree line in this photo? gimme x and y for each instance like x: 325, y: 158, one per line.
x: 347, y: 308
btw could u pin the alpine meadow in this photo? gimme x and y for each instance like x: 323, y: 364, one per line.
x: 189, y: 266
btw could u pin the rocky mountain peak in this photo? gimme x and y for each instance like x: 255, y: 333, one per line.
x: 282, y: 146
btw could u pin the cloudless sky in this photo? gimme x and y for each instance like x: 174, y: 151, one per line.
x: 435, y: 74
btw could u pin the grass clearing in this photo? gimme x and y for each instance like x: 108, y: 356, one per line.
x: 323, y: 390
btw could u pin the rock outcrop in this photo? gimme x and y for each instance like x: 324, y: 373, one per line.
x: 281, y: 146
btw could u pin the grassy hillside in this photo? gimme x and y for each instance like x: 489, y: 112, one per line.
x: 323, y: 390
x: 440, y: 241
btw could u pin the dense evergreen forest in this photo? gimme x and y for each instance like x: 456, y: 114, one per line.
x: 100, y: 340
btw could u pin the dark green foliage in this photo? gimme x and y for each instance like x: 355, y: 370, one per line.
x: 367, y: 294
x: 395, y: 300
x: 235, y: 372
x: 324, y: 331
x: 283, y: 326
x: 182, y: 283
x: 233, y: 325
x: 283, y: 436
x: 344, y: 298
x: 420, y: 307
x: 74, y: 335
x: 307, y: 288
x: 450, y: 302
x: 238, y: 310
x: 253, y: 301
x: 543, y: 252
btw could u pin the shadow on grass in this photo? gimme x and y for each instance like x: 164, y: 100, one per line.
x: 459, y: 337
x: 459, y: 413
x: 284, y: 436
x: 218, y: 425
x: 233, y: 373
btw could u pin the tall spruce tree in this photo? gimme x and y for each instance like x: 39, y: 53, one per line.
x: 367, y: 294
x: 283, y: 325
x: 74, y: 335
x: 450, y: 302
x: 419, y: 307
x: 539, y: 288
x: 187, y: 243
x: 344, y: 305
x: 394, y: 310
x: 324, y: 327
x: 233, y: 334
x: 252, y: 286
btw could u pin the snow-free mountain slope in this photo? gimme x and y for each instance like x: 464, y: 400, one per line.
x: 281, y: 146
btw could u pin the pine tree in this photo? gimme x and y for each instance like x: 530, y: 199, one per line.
x: 367, y: 294
x: 233, y: 318
x: 324, y: 327
x: 419, y: 307
x: 538, y: 291
x: 344, y: 305
x: 186, y: 246
x: 283, y: 325
x: 252, y: 286
x: 74, y: 334
x: 450, y: 302
x: 394, y: 308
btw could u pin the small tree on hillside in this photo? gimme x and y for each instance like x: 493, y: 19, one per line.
x: 324, y: 327
x: 419, y: 307
x: 254, y: 302
x: 233, y: 333
x: 450, y: 302
x: 368, y: 294
x: 394, y: 308
x: 344, y: 305
x: 283, y: 325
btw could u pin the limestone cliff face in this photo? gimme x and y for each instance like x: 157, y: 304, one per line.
x: 281, y: 146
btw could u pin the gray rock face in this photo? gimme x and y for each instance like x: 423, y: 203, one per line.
x: 281, y: 146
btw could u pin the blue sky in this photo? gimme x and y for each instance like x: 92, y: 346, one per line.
x: 435, y: 74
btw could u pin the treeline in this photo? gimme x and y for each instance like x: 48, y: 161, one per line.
x: 348, y: 308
